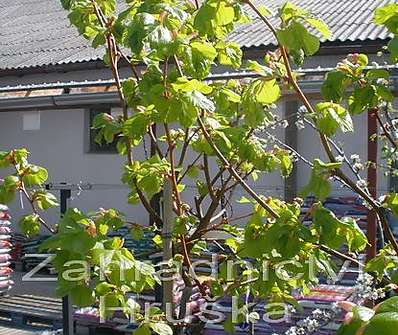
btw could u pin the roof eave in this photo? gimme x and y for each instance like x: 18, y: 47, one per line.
x: 327, y: 48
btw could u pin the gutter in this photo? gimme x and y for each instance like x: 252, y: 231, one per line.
x: 65, y: 101
x: 88, y: 100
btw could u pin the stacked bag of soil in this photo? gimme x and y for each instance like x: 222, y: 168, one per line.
x: 5, y: 249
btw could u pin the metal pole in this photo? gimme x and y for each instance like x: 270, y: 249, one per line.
x: 372, y: 184
x: 67, y: 309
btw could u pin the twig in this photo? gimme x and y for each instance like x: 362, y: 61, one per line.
x: 180, y: 178
x: 324, y: 140
x: 207, y: 176
x: 385, y: 131
x: 235, y: 174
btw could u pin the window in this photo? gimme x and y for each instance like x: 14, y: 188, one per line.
x: 93, y: 146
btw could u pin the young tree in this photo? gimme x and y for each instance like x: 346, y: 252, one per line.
x: 211, y: 132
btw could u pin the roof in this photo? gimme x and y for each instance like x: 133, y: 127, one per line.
x: 37, y: 32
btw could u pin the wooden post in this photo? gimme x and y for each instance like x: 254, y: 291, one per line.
x: 291, y: 138
x: 67, y: 308
x: 372, y: 184
x: 168, y: 218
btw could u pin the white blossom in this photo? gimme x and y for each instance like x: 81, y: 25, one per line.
x: 358, y: 166
x: 300, y: 124
x: 362, y: 183
x: 339, y: 158
x: 303, y: 110
x: 285, y: 124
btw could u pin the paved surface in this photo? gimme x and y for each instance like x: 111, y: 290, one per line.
x: 36, y: 286
x: 10, y: 330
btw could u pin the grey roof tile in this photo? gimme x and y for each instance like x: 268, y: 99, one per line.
x: 37, y: 32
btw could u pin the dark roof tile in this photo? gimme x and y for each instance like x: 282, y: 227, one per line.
x: 37, y: 32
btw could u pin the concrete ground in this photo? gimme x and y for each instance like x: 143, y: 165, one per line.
x: 38, y: 285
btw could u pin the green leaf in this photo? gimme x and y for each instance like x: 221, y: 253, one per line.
x: 384, y: 93
x: 157, y: 240
x: 184, y: 85
x: 66, y: 4
x: 332, y: 117
x: 333, y: 87
x: 296, y: 37
x: 388, y: 16
x: 327, y: 225
x: 161, y: 328
x: 193, y: 171
x: 35, y: 175
x: 230, y: 54
x: 103, y: 288
x: 82, y: 296
x: 4, y: 159
x: 351, y: 328
x: 199, y: 247
x: 30, y: 225
x: 319, y: 25
x: 355, y: 237
x: 319, y: 184
x: 198, y: 59
x: 206, y: 50
x: 137, y: 233
x: 286, y: 163
x: 290, y: 11
x: 362, y: 99
x: 262, y: 70
x: 214, y: 18
x: 98, y: 40
x: 161, y: 40
x: 45, y: 200
x: 389, y: 305
x: 384, y: 262
x: 180, y: 225
x: 254, y: 238
x: 363, y: 60
x: 225, y: 13
x: 141, y: 25
x: 8, y: 189
x: 266, y: 91
x: 377, y: 73
x: 363, y: 313
x: 143, y: 330
x: 334, y: 232
x: 392, y: 203
x: 393, y: 48
x: 233, y: 244
x: 20, y: 156
x: 383, y: 323
x: 229, y: 326
x: 136, y: 126
x: 199, y: 100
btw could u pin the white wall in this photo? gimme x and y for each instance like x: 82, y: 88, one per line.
x: 60, y: 146
x: 353, y: 143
